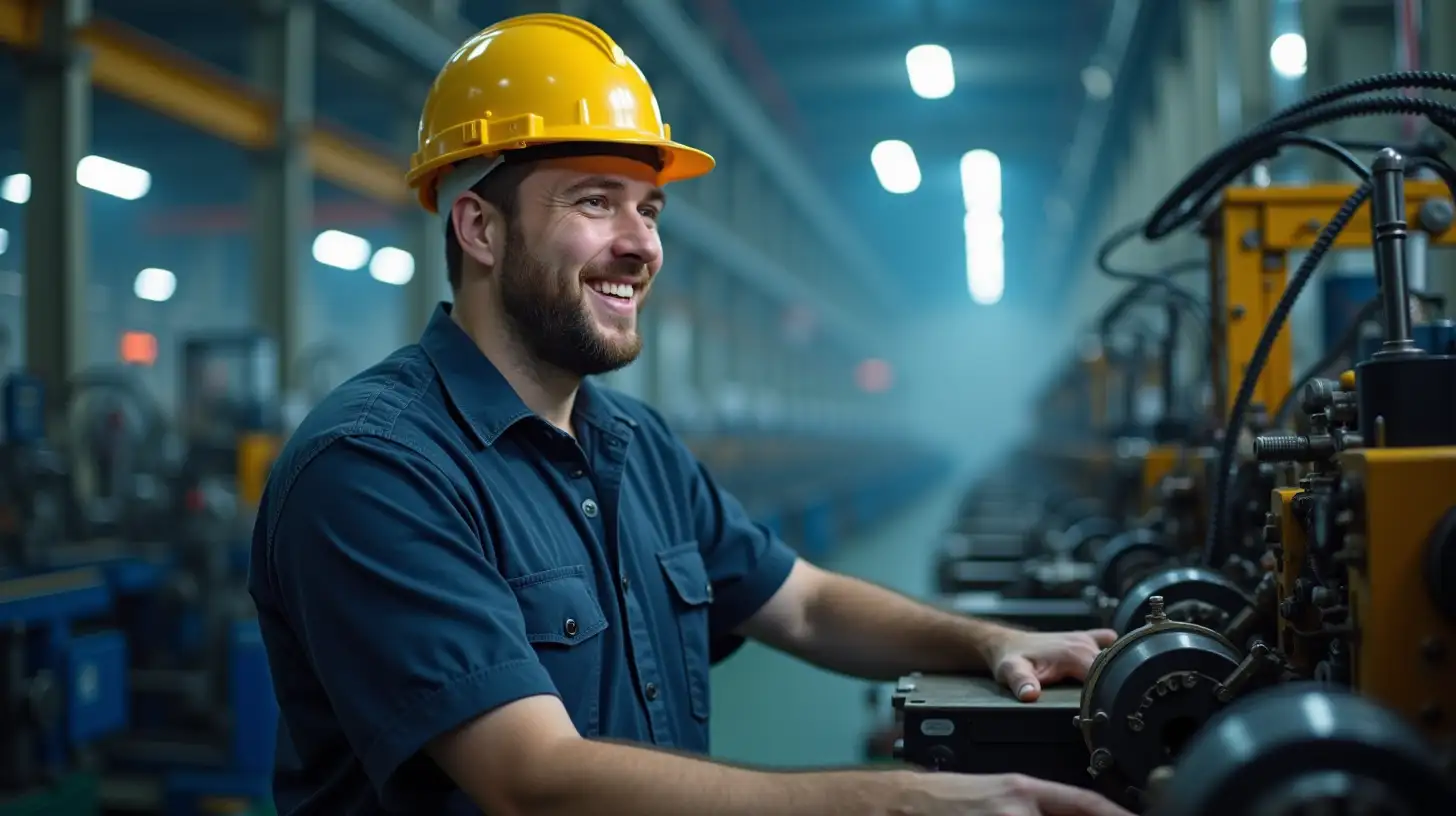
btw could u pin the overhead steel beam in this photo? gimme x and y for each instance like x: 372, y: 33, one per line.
x: 741, y: 113
x: 430, y: 48
x: 153, y: 75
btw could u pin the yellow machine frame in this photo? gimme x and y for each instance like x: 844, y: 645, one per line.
x: 1402, y: 657
x: 1253, y: 232
x: 1294, y: 640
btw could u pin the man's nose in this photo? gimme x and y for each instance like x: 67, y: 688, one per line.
x: 637, y: 240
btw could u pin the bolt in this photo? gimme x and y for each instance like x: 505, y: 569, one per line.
x: 1135, y: 722
x: 1155, y: 610
x: 1101, y: 759
x: 1238, y: 312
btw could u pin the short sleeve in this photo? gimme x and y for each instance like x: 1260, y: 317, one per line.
x: 746, y: 562
x: 410, y: 629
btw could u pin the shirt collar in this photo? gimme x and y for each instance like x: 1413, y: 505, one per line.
x: 486, y: 400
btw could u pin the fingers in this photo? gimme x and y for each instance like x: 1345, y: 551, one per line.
x: 1017, y: 674
x: 1103, y: 637
x: 1063, y: 800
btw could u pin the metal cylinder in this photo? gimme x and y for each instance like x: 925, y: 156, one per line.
x: 1150, y: 693
x: 1387, y: 210
x: 1298, y: 749
x: 1186, y: 591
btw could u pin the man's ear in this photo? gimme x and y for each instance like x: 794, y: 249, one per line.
x: 480, y: 228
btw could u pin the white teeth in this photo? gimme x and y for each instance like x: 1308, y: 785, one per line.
x: 621, y: 290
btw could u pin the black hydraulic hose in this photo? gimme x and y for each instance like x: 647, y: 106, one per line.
x: 1393, y: 80
x: 1183, y: 205
x: 1259, y: 359
x: 1160, y: 279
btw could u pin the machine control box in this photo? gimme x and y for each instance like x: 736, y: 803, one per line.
x: 972, y: 725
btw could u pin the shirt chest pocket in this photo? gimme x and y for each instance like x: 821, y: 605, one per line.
x: 692, y: 594
x: 563, y: 619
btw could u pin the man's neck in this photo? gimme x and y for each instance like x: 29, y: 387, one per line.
x: 549, y: 392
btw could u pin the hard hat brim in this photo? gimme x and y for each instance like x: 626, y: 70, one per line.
x: 680, y: 162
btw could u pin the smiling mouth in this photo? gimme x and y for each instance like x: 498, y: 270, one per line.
x: 624, y: 292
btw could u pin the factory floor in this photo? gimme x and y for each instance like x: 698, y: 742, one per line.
x: 769, y: 709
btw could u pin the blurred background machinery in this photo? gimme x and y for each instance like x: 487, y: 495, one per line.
x: 922, y: 285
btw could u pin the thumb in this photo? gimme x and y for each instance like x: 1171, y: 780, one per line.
x: 1016, y: 673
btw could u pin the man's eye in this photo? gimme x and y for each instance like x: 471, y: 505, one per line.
x: 651, y: 213
x: 594, y: 201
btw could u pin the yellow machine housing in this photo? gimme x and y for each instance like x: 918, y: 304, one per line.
x: 1160, y: 462
x: 1253, y: 231
x: 256, y: 452
x: 1293, y: 551
x: 1404, y: 652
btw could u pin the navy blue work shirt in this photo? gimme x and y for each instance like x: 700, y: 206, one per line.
x: 427, y: 549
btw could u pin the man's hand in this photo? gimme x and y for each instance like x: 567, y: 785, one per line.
x: 953, y: 794
x: 1025, y: 661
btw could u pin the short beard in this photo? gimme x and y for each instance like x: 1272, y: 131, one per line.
x: 550, y: 319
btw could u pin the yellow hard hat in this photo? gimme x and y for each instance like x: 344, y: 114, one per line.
x: 541, y: 79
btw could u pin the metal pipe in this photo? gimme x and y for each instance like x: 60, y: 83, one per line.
x: 1387, y: 216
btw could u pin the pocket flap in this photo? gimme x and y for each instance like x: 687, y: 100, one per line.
x: 687, y: 574
x: 559, y: 606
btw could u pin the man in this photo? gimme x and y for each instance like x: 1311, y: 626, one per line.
x: 485, y: 582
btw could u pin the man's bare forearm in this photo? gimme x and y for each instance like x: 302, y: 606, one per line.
x: 588, y: 776
x: 867, y: 631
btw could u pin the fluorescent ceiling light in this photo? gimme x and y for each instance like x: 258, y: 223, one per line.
x: 94, y: 173
x: 981, y: 181
x: 392, y: 265
x: 341, y: 250
x: 1289, y: 55
x: 932, y: 71
x: 156, y: 285
x: 113, y: 178
x: 895, y: 166
x: 985, y: 258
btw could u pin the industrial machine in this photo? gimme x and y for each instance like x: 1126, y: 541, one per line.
x: 134, y: 677
x: 1293, y: 660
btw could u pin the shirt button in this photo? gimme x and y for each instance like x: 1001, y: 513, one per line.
x: 570, y: 627
x: 626, y: 585
x: 650, y: 691
x: 577, y: 473
x: 589, y: 507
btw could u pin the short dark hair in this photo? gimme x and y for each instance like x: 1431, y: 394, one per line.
x: 500, y: 189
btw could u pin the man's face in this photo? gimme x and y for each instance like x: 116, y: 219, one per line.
x: 579, y: 261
